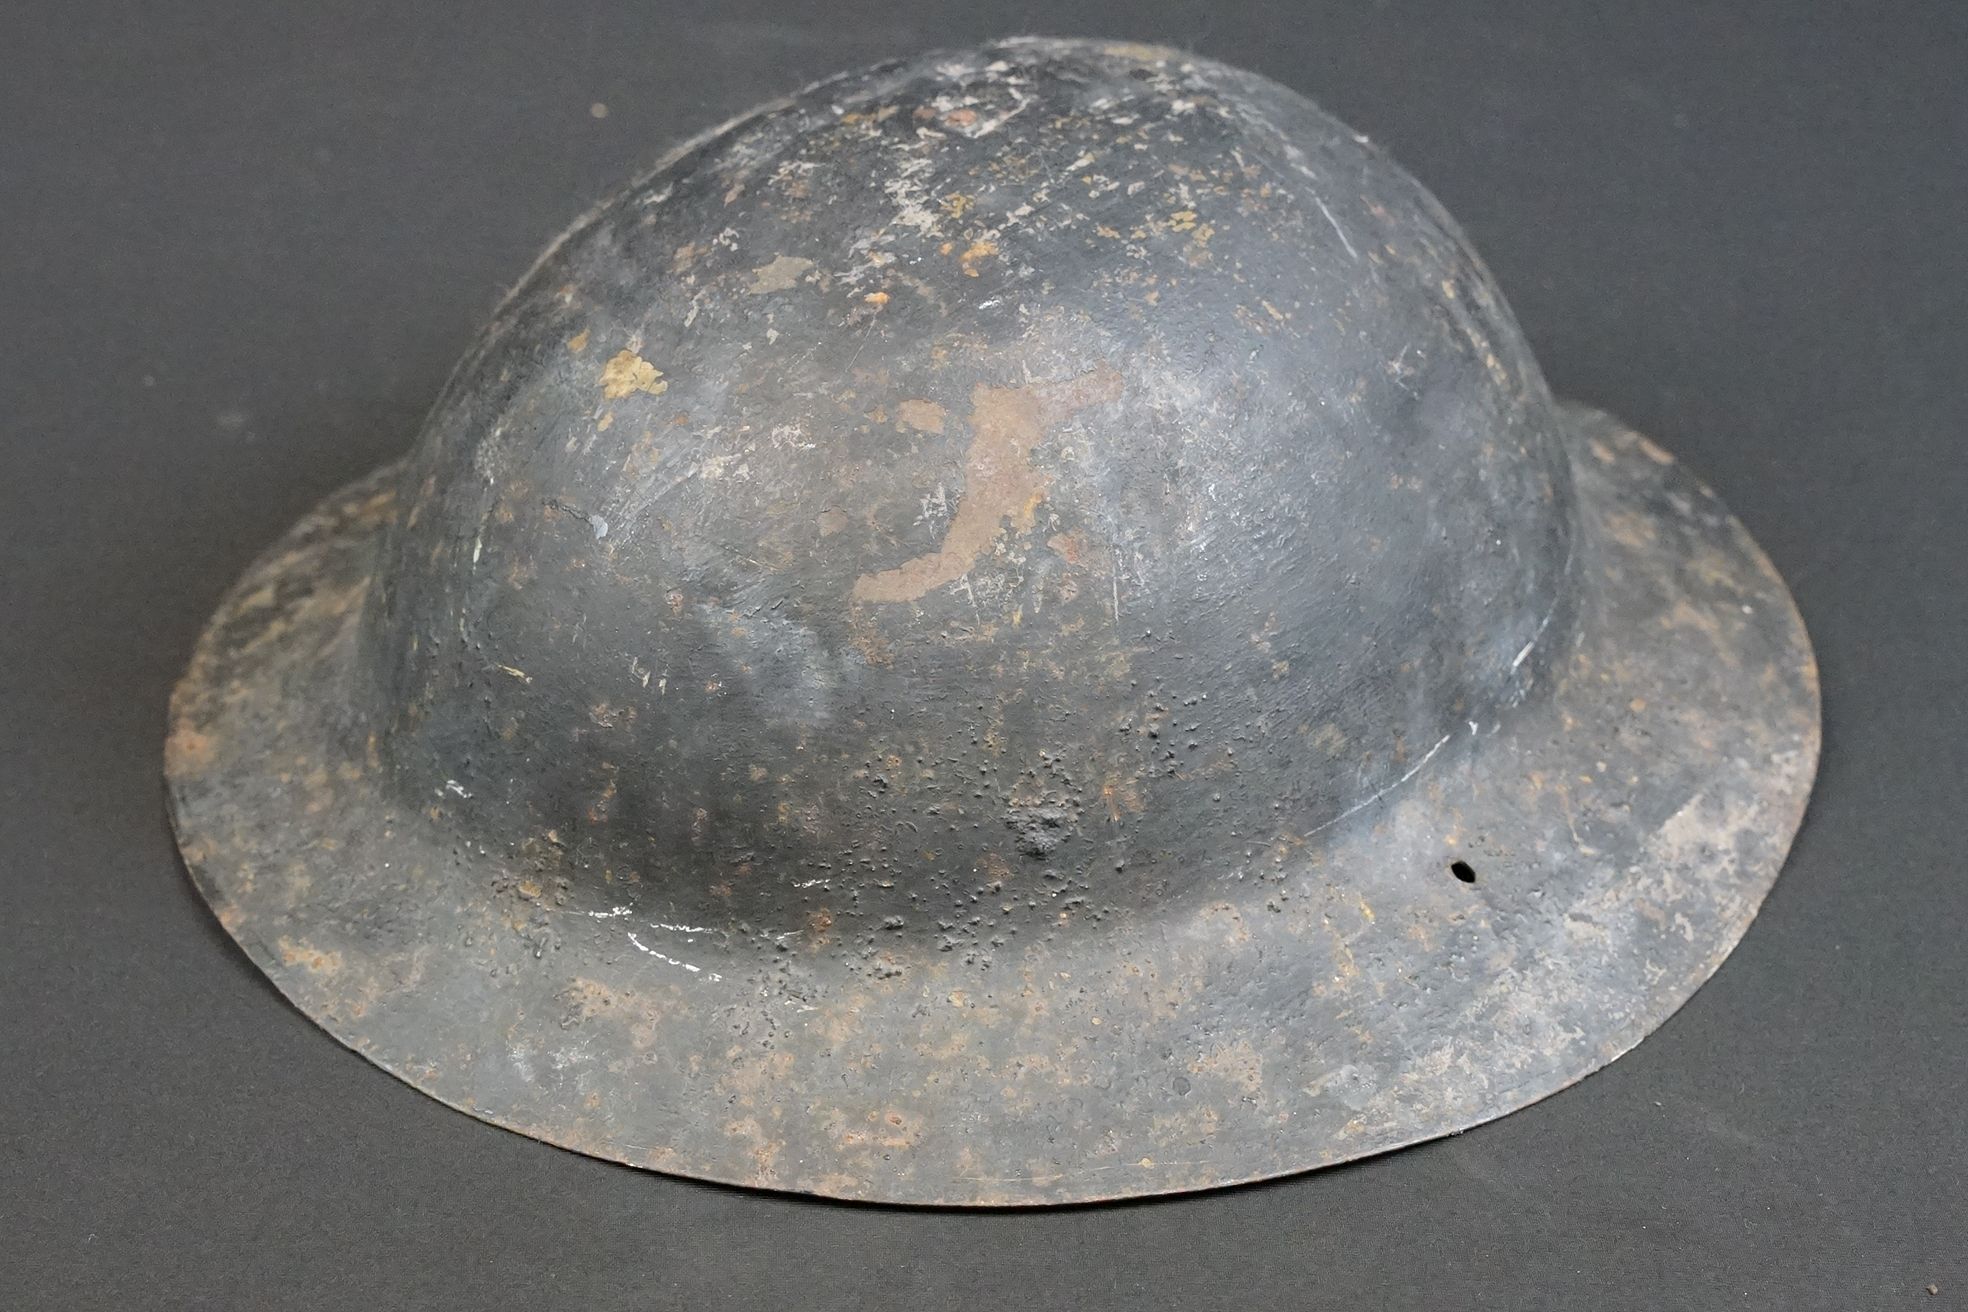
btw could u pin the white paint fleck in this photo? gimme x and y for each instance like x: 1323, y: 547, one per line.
x: 910, y: 194
x: 715, y: 467
x: 640, y: 946
x: 984, y: 127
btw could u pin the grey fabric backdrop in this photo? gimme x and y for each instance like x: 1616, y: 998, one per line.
x: 241, y: 244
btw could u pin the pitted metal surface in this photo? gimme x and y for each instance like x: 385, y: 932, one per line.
x: 1019, y: 627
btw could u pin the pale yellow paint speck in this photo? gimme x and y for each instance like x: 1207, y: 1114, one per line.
x: 628, y: 372
x: 1147, y: 54
x: 978, y: 251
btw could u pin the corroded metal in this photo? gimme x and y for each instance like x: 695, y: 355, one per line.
x: 1018, y: 627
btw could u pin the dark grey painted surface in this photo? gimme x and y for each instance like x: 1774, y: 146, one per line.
x: 245, y: 248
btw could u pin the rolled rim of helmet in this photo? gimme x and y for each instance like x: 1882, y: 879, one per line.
x: 1017, y: 627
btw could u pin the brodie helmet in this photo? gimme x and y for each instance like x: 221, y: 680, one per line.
x: 1017, y: 627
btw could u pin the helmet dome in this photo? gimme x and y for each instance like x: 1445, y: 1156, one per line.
x: 1048, y: 469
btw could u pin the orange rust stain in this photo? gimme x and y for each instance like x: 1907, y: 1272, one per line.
x: 578, y: 342
x: 313, y: 958
x: 999, y: 480
x: 923, y: 416
x: 187, y: 751
x: 591, y: 998
x: 1069, y: 547
x: 1121, y: 796
x: 598, y: 812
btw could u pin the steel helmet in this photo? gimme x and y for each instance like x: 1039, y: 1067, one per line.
x: 1018, y: 627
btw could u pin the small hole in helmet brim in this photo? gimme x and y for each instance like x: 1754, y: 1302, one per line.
x: 1463, y: 870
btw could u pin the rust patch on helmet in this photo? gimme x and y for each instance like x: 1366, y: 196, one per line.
x: 923, y: 416
x: 999, y: 480
x: 187, y: 750
x: 309, y: 957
